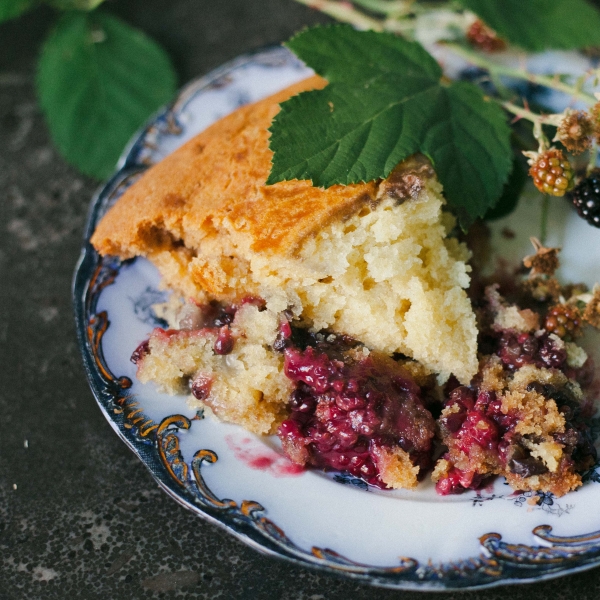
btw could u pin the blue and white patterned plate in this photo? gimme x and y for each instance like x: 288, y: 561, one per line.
x: 397, y: 539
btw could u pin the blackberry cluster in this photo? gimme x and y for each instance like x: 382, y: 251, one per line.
x: 586, y: 198
x: 552, y: 173
x: 483, y: 37
x: 575, y: 131
x: 563, y: 320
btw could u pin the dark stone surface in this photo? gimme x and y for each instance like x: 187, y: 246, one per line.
x: 80, y: 517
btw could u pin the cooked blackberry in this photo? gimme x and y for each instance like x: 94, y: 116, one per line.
x: 356, y: 412
x: 525, y: 415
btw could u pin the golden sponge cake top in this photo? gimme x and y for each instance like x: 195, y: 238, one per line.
x: 217, y: 180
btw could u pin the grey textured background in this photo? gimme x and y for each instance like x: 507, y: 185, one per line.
x: 86, y: 520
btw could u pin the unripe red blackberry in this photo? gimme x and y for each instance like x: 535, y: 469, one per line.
x: 575, y: 131
x: 586, y: 198
x: 563, y: 320
x: 483, y: 37
x: 552, y: 173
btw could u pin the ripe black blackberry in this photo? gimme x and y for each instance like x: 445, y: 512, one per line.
x: 586, y: 198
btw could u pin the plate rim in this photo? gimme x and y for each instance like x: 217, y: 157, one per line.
x: 498, y: 564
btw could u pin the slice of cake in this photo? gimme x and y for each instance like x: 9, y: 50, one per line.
x: 372, y: 261
x: 359, y: 285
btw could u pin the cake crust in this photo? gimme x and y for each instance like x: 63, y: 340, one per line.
x: 215, y: 184
x: 370, y: 260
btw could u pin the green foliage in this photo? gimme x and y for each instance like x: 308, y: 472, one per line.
x: 75, y: 4
x: 386, y: 100
x: 540, y: 24
x: 98, y: 81
x: 9, y: 9
x: 513, y: 189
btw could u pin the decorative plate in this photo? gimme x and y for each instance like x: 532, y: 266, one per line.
x: 397, y: 539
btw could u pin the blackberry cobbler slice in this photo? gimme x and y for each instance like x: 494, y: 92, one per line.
x: 356, y: 411
x: 335, y: 404
x: 338, y: 405
x: 526, y: 414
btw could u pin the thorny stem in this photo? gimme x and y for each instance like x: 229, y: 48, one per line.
x: 390, y: 7
x: 537, y: 120
x: 396, y: 12
x: 593, y: 159
x: 574, y: 91
x: 544, y: 219
x: 345, y: 12
x: 524, y: 113
x: 399, y: 9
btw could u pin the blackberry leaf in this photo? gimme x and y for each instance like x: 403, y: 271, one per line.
x: 385, y: 101
x: 9, y: 9
x: 341, y: 54
x: 98, y: 81
x: 469, y: 143
x: 538, y: 25
x: 512, y: 191
x: 75, y: 4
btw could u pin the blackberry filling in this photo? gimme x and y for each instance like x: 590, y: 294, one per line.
x: 336, y: 406
x: 214, y: 318
x: 519, y: 349
x: 138, y: 354
x: 526, y: 415
x: 355, y: 412
x: 483, y: 438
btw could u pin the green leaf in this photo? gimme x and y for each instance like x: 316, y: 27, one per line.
x: 513, y: 189
x: 385, y: 101
x: 9, y: 9
x: 75, y: 4
x: 538, y: 25
x: 98, y: 81
x: 340, y: 55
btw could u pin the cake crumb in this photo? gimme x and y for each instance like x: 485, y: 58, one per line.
x: 396, y: 468
x: 442, y: 468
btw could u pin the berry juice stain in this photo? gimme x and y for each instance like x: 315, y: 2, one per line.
x: 258, y: 457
